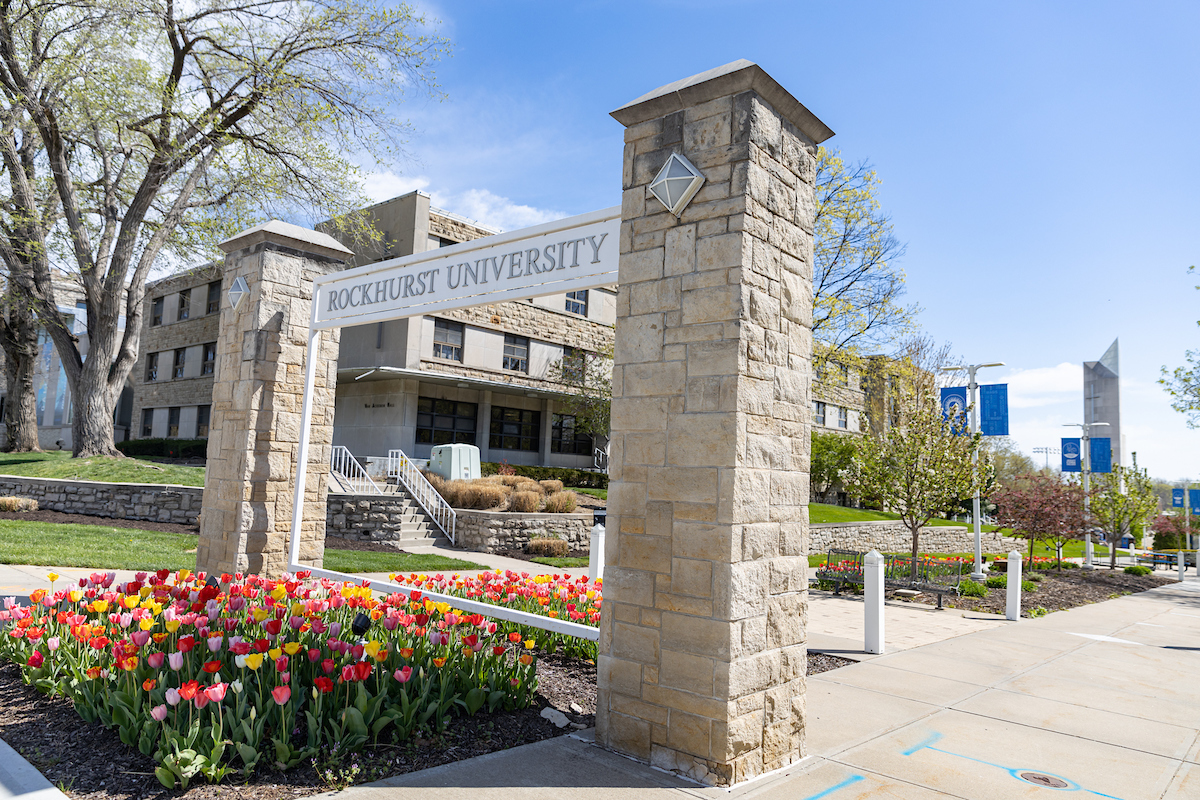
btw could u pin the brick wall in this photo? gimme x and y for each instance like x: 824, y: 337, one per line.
x: 157, y: 503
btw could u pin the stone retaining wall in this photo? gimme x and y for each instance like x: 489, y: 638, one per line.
x: 154, y: 502
x: 369, y: 517
x: 487, y: 531
x: 893, y: 537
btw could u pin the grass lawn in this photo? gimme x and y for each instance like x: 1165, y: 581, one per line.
x: 560, y: 563
x: 99, y: 547
x: 821, y: 512
x: 601, y: 493
x: 59, y: 464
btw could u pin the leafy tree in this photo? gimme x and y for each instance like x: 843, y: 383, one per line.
x: 857, y: 285
x: 1183, y: 383
x: 919, y: 469
x: 1008, y: 462
x: 1171, y: 531
x: 1124, y: 499
x: 1042, y: 507
x: 831, y: 455
x: 162, y: 127
x: 587, y: 377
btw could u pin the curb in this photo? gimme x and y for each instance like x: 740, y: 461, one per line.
x: 18, y: 778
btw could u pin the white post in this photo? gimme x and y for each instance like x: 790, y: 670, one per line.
x: 1012, y: 609
x: 873, y: 640
x: 596, y: 553
x: 972, y: 387
x: 1179, y: 563
x: 1085, y: 464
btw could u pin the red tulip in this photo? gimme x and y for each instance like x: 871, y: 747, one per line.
x: 348, y: 673
x: 201, y: 700
x: 36, y: 659
x: 324, y: 684
x: 273, y: 627
x: 155, y: 660
x: 281, y: 694
x: 498, y: 650
x: 314, y: 655
x: 281, y: 663
x: 240, y: 649
x: 212, y: 666
x: 186, y: 643
x: 262, y: 645
x: 361, y: 670
x: 328, y: 665
x: 189, y: 690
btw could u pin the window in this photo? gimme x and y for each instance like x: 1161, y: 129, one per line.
x: 147, y: 423
x: 210, y: 359
x: 173, y: 422
x: 214, y: 298
x: 180, y: 357
x: 577, y: 302
x: 447, y: 339
x: 574, y: 364
x: 514, y: 429
x: 185, y: 305
x: 151, y: 367
x: 516, y: 353
x: 156, y: 312
x: 843, y: 377
x: 843, y: 418
x: 203, y: 413
x: 820, y: 416
x: 565, y: 439
x: 445, y: 421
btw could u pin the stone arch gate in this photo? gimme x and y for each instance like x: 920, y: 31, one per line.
x: 702, y: 638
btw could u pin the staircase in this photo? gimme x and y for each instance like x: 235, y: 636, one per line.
x: 417, y: 526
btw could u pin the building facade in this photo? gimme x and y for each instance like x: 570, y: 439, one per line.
x: 1102, y: 399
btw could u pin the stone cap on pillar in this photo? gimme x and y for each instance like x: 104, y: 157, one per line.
x: 293, y: 237
x: 733, y: 78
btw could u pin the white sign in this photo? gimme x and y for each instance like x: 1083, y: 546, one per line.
x: 562, y: 256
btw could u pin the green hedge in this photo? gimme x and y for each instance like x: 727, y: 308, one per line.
x: 569, y: 477
x: 165, y: 448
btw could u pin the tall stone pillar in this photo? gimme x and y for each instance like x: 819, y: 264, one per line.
x: 702, y: 640
x: 258, y: 388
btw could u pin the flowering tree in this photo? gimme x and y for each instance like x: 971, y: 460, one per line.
x: 1041, y: 507
x: 1124, y: 499
x: 1171, y: 531
x: 919, y: 470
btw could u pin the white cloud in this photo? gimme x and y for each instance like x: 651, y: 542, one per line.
x: 480, y: 205
x: 1044, y: 386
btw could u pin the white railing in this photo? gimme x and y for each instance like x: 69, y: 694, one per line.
x: 350, y: 473
x: 406, y: 473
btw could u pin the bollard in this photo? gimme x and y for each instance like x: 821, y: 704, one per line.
x: 1012, y: 609
x: 1180, y: 563
x: 596, y: 553
x: 873, y: 607
x: 1088, y: 554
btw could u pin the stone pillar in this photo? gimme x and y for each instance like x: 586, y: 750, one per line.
x: 258, y: 387
x: 702, y: 636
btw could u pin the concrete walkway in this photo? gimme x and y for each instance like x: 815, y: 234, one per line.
x: 1100, y: 700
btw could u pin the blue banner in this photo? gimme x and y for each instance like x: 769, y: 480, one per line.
x: 1071, y: 459
x: 1177, y: 498
x: 1194, y: 499
x: 954, y: 407
x: 993, y: 409
x: 1101, y: 454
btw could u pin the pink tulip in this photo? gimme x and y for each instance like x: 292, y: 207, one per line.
x: 403, y: 674
x: 295, y: 623
x: 155, y: 660
x: 216, y: 692
x: 140, y: 638
x: 214, y: 643
x: 53, y: 643
x: 318, y: 626
x: 281, y: 694
x: 160, y: 712
x: 286, y: 677
x: 201, y: 700
x: 390, y: 622
x: 173, y: 696
x: 176, y: 661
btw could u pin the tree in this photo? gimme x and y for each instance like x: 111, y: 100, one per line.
x: 1008, y: 462
x: 831, y: 455
x: 19, y: 341
x: 1171, y: 531
x: 1183, y: 383
x: 1124, y: 500
x: 857, y: 285
x: 919, y: 469
x: 1042, y: 507
x: 161, y: 128
x: 588, y: 379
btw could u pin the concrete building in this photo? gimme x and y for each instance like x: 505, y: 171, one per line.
x: 1102, y: 399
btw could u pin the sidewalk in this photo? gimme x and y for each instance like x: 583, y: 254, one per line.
x: 1100, y: 700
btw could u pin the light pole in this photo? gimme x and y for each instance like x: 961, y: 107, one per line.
x: 1085, y: 465
x: 972, y: 386
x: 1047, y: 451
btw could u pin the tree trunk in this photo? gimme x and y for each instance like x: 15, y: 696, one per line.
x: 916, y: 539
x: 92, y: 428
x: 20, y: 341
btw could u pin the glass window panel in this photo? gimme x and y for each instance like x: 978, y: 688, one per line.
x: 452, y: 422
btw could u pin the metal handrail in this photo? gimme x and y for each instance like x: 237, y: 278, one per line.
x: 352, y: 473
x: 409, y: 476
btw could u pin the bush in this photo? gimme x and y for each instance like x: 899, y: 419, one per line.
x: 996, y: 581
x: 555, y: 548
x: 551, y: 486
x: 969, y: 588
x: 483, y: 496
x: 560, y: 503
x: 524, y: 502
x: 1138, y: 569
x: 1166, y: 541
x: 1028, y: 586
x: 165, y: 448
x: 529, y: 485
x: 569, y: 477
x: 18, y: 504
x: 1036, y: 577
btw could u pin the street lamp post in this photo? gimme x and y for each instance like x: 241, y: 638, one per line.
x: 1047, y: 451
x: 1085, y: 466
x: 972, y: 386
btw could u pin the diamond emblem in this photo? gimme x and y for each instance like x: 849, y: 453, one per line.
x: 238, y: 291
x: 676, y: 183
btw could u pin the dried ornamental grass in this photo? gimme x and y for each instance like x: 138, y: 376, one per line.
x: 529, y: 485
x: 18, y: 504
x: 484, y: 496
x: 555, y: 548
x: 561, y: 503
x: 551, y: 486
x: 525, y: 502
x: 511, y: 480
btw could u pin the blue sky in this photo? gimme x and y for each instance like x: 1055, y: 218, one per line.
x: 1039, y: 160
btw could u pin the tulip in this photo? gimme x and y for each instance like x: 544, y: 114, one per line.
x: 53, y: 643
x: 159, y: 712
x: 334, y: 629
x: 140, y: 638
x: 285, y: 677
x: 201, y: 700
x: 254, y: 660
x: 189, y: 690
x: 314, y: 655
x: 348, y: 673
x: 403, y: 674
x: 35, y: 659
x: 212, y: 667
x: 149, y: 684
x: 281, y: 694
x: 281, y: 663
x: 216, y: 692
x: 236, y: 686
x: 176, y: 661
x: 214, y: 643
x: 361, y: 670
x: 173, y: 696
x: 324, y: 684
x: 328, y: 665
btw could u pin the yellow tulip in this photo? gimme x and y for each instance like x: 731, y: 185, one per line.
x: 291, y: 648
x: 146, y: 623
x: 372, y: 647
x: 52, y: 576
x: 131, y: 600
x: 100, y: 606
x: 76, y: 595
x: 184, y: 574
x: 279, y: 592
x: 260, y: 614
x: 144, y: 592
x: 254, y: 660
x: 274, y: 653
x: 172, y: 625
x: 298, y: 609
x: 529, y: 643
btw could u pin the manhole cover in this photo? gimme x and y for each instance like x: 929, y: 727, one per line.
x: 1041, y: 779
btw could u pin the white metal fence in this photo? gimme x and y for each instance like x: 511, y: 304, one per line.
x: 406, y: 473
x: 350, y: 473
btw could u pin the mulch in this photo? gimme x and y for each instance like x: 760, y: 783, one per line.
x: 1058, y: 591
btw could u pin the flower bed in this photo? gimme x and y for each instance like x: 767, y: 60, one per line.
x: 212, y: 678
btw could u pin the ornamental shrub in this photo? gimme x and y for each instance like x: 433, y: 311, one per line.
x: 1029, y: 586
x: 524, y: 502
x: 561, y: 503
x: 969, y: 588
x: 547, y: 546
x: 551, y: 486
x: 996, y: 581
x: 1138, y: 569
